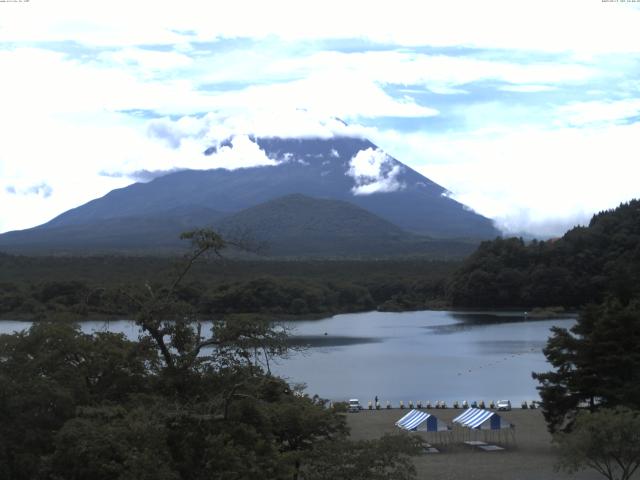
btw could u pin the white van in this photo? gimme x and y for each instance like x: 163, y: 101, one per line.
x: 354, y: 405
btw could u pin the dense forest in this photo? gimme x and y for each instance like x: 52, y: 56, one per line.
x: 74, y: 288
x: 584, y: 266
x: 179, y: 403
x: 595, y: 374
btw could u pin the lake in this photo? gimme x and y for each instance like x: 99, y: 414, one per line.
x: 427, y: 355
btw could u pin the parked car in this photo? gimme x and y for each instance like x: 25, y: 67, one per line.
x: 354, y: 405
x: 504, y: 405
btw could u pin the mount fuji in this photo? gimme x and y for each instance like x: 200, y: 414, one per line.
x: 357, y: 194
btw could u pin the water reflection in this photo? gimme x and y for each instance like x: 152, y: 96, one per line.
x: 466, y: 321
x: 323, y: 341
x: 429, y: 355
x: 511, y: 347
x: 486, y: 318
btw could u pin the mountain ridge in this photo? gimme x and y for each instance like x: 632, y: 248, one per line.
x: 347, y: 169
x: 298, y: 225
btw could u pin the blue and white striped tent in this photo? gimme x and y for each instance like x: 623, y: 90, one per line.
x: 419, y: 421
x: 477, y: 418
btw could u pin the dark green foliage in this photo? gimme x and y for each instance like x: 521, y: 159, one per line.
x: 46, y: 373
x: 103, y: 443
x: 607, y: 441
x: 386, y: 459
x: 179, y: 403
x: 66, y: 293
x: 11, y: 298
x: 76, y: 288
x: 297, y: 225
x: 596, y: 364
x: 280, y: 296
x: 76, y: 406
x: 300, y: 226
x: 584, y: 266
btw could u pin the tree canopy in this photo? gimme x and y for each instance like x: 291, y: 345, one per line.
x: 584, y: 266
x: 607, y: 441
x: 179, y: 403
x: 595, y: 364
x: 77, y: 288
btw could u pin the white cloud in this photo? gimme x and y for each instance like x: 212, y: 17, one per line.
x: 114, y: 24
x: 81, y: 160
x: 221, y: 125
x: 41, y: 189
x: 71, y: 87
x: 346, y: 96
x: 536, y: 179
x: 570, y: 25
x: 374, y: 171
x: 174, y: 131
x: 438, y: 73
x: 62, y: 154
x: 61, y: 127
x: 584, y: 113
x: 528, y: 88
x: 148, y: 62
x: 443, y: 90
x: 241, y: 154
x: 136, y: 81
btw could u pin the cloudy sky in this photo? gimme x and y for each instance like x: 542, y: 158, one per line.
x: 527, y: 111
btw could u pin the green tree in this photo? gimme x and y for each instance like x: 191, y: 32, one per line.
x: 178, y: 403
x: 607, y: 441
x: 586, y: 265
x: 596, y: 364
x: 388, y: 458
x: 106, y: 443
x: 301, y: 423
x: 49, y: 371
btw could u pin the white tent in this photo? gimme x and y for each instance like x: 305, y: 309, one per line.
x: 484, y: 420
x: 418, y: 421
x: 434, y: 430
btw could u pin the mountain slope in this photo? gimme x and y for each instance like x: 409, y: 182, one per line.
x: 315, y: 167
x: 154, y: 233
x: 342, y: 168
x: 297, y: 225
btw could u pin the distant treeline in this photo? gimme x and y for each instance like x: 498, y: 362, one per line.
x: 74, y: 288
x: 585, y: 266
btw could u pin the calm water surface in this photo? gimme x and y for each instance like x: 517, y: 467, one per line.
x: 428, y: 355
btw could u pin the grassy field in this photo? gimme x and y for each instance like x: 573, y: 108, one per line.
x: 531, y: 457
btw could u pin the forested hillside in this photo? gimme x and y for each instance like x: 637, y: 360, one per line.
x: 584, y: 266
x: 298, y: 226
x: 75, y: 288
x: 596, y: 363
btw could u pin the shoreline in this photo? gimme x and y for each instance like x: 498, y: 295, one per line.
x: 532, y: 315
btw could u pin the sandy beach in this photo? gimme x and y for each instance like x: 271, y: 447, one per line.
x: 531, y: 457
